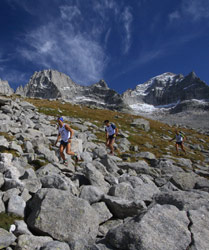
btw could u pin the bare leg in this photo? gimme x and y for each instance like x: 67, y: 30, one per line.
x: 110, y: 145
x: 68, y: 150
x: 182, y: 147
x: 177, y: 148
x: 62, y: 152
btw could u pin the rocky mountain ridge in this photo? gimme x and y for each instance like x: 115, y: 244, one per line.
x: 167, y: 89
x: 103, y: 202
x: 168, y: 97
x: 51, y: 84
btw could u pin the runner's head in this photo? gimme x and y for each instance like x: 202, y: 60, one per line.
x: 60, y: 120
x: 176, y: 131
x: 107, y: 122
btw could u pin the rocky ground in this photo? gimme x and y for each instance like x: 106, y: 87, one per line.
x: 145, y: 197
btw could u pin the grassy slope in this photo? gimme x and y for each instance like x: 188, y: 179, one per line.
x: 156, y: 135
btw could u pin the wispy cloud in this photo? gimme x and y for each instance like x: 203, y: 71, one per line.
x: 76, y: 44
x: 68, y: 51
x: 127, y: 19
x: 191, y: 10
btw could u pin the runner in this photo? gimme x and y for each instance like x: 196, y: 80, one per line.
x: 179, y: 141
x: 111, y: 133
x: 66, y: 134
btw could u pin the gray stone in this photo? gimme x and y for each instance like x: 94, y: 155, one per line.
x: 184, y: 200
x: 91, y: 193
x: 184, y: 181
x: 202, y: 183
x: 48, y: 154
x: 141, y: 124
x: 146, y: 155
x: 100, y: 152
x: 4, y: 142
x: 32, y: 185
x: 13, y: 145
x: 47, y: 209
x: 186, y: 163
x: 55, y: 245
x: 54, y: 181
x: 146, y: 190
x: 1, y: 180
x: 2, y: 206
x: 26, y: 242
x: 110, y: 164
x: 21, y: 228
x: 9, y: 193
x: 122, y: 190
x: 95, y: 177
x: 28, y: 147
x: 6, y: 157
x: 162, y: 227
x: 6, y: 238
x: 140, y: 167
x: 199, y: 228
x: 76, y: 146
x: 16, y: 205
x: 86, y: 157
x: 167, y: 166
x: 106, y: 226
x: 12, y: 183
x: 122, y: 208
x: 48, y: 169
x: 103, y: 211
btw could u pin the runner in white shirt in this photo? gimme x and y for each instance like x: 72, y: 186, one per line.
x: 179, y: 141
x: 111, y: 133
x: 65, y: 133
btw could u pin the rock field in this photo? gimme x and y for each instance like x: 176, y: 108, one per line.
x: 102, y: 202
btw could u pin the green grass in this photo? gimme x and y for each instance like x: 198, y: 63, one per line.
x: 123, y: 121
x: 6, y: 220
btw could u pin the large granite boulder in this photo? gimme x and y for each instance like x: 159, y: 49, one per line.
x: 162, y: 227
x: 63, y: 216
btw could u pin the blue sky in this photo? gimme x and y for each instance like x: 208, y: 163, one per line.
x: 124, y: 42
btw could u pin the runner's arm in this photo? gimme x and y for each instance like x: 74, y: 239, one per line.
x: 116, y: 131
x: 58, y: 138
x: 70, y: 130
x: 173, y: 138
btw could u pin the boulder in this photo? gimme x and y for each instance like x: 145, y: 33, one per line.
x: 184, y: 200
x: 91, y: 193
x: 161, y: 227
x: 141, y: 124
x: 122, y: 208
x: 102, y: 211
x: 47, y: 209
x: 95, y: 177
x: 6, y: 238
x: 16, y: 205
x: 199, y: 228
x: 54, y: 181
x: 55, y: 245
x: 26, y: 242
x: 21, y: 228
x: 76, y: 146
x: 184, y: 181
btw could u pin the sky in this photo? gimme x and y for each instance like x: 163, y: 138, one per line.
x: 124, y: 42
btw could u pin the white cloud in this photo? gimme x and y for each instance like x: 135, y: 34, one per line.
x: 127, y: 19
x: 191, y: 10
x: 174, y: 16
x: 197, y: 9
x: 66, y: 50
x: 70, y: 12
